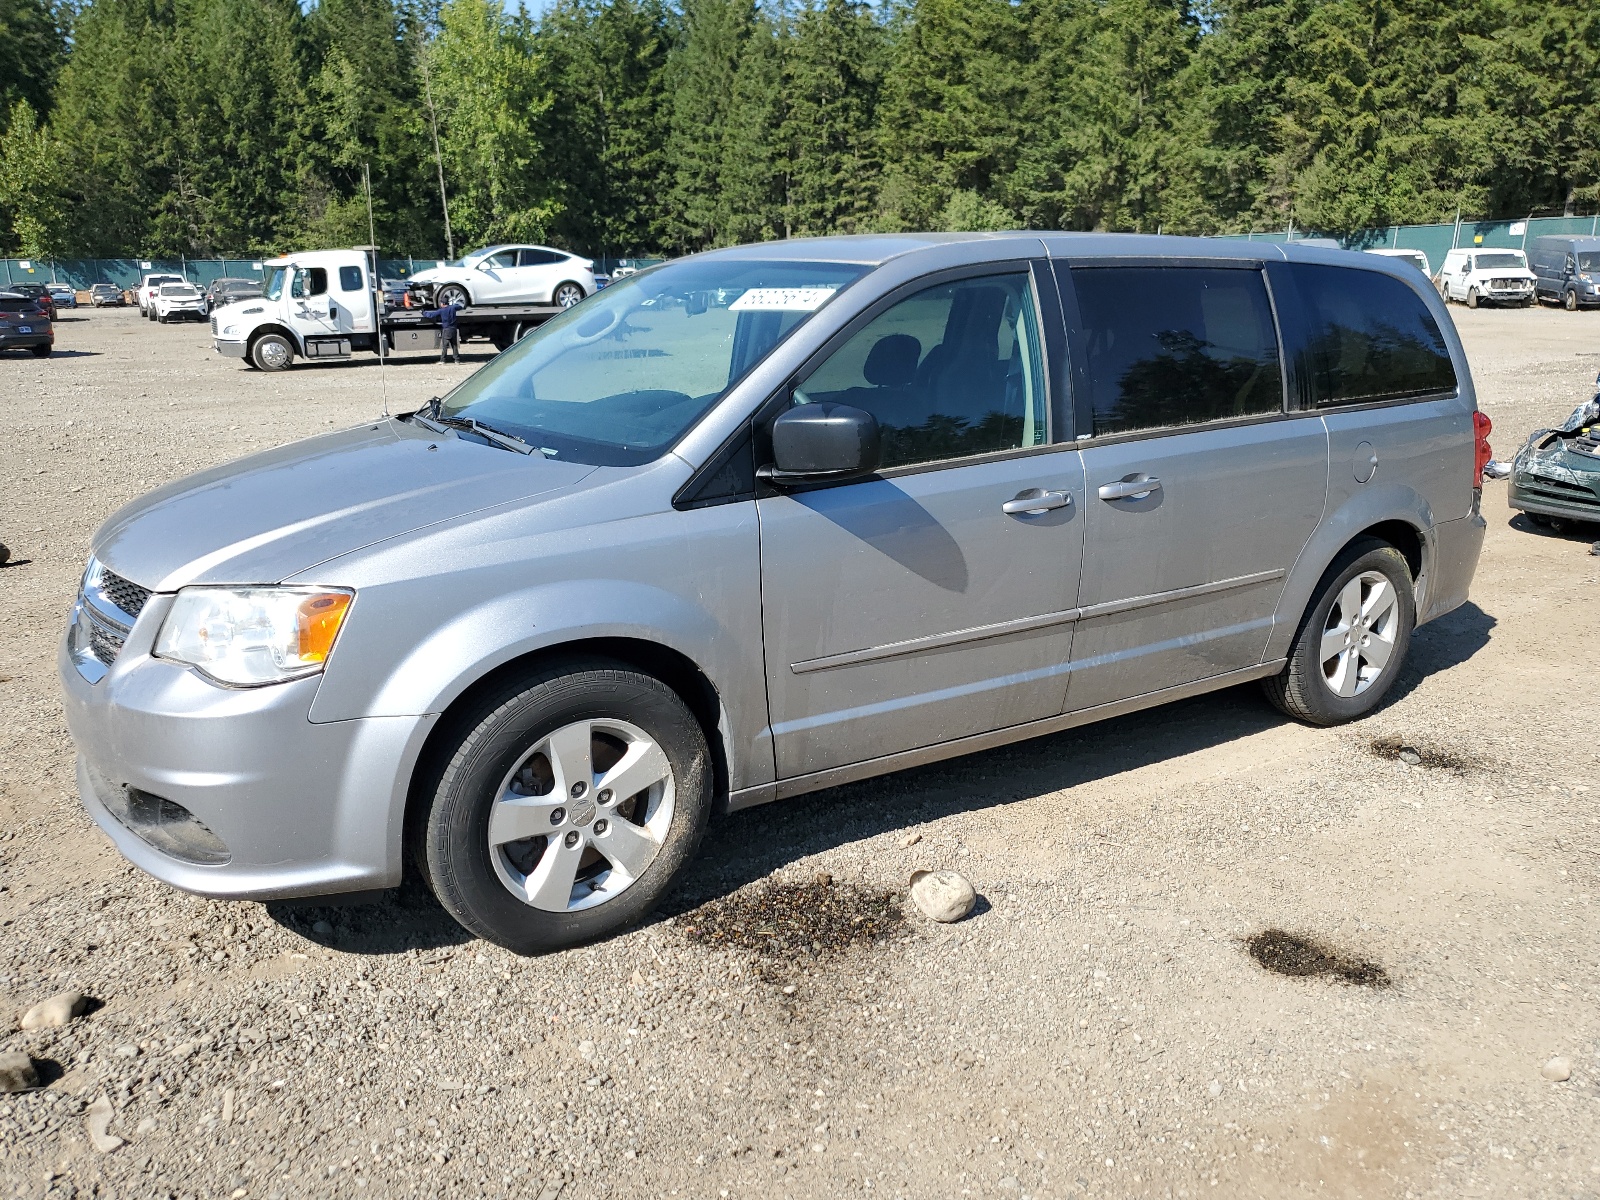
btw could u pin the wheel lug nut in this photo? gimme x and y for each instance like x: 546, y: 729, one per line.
x: 579, y: 789
x: 557, y: 815
x: 605, y: 796
x: 601, y: 825
x: 571, y: 839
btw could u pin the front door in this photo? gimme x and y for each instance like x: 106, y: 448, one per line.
x: 312, y: 311
x: 933, y: 601
x: 1201, y: 490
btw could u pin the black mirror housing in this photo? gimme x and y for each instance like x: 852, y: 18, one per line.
x: 823, y: 441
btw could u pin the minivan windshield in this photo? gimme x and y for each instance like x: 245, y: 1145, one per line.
x: 618, y: 378
x: 1501, y: 262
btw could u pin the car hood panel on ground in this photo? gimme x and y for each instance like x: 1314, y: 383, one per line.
x: 265, y: 518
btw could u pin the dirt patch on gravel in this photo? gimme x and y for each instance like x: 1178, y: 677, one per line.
x: 1289, y: 954
x: 815, y: 920
x: 1395, y: 748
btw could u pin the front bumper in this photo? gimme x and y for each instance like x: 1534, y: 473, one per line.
x: 231, y: 349
x: 1554, y: 497
x: 302, y: 808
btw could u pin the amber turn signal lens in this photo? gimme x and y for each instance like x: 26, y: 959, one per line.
x: 317, y: 622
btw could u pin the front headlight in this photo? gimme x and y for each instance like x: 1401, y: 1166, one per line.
x: 251, y: 636
x: 230, y: 331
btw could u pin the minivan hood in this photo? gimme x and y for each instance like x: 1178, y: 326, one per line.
x: 265, y: 518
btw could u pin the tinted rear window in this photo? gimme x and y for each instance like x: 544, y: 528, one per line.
x: 1369, y: 337
x: 1164, y: 346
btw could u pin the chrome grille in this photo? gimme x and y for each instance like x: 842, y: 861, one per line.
x: 124, y: 593
x: 213, y: 327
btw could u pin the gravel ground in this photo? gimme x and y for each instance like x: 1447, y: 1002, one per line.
x: 1098, y: 1027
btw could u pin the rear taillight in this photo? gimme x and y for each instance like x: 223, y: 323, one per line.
x: 1481, y: 428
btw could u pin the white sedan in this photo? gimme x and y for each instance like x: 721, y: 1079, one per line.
x: 178, y: 301
x: 512, y: 275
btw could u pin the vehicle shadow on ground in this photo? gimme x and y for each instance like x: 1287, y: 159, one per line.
x: 1570, y: 530
x: 73, y: 354
x: 752, y: 845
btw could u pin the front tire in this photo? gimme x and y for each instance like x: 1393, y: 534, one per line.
x: 1570, y: 301
x: 1472, y: 297
x: 451, y: 293
x: 272, y: 352
x: 566, y: 807
x: 1353, y: 641
x: 566, y: 294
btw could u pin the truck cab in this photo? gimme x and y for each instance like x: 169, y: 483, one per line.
x: 314, y: 305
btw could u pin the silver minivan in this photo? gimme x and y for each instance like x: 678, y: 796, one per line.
x: 763, y: 521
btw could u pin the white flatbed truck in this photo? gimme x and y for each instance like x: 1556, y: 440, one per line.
x: 325, y: 305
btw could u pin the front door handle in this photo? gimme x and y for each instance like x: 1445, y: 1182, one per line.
x: 1035, y: 501
x: 1129, y: 489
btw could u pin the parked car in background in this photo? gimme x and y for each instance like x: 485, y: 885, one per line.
x: 147, y: 292
x: 24, y: 325
x: 763, y: 521
x: 63, y: 295
x: 105, y: 295
x: 1475, y: 277
x: 179, y: 302
x: 38, y: 293
x: 227, y: 290
x: 511, y: 275
x: 1415, y: 257
x: 1566, y: 271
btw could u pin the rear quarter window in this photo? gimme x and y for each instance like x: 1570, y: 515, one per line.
x: 1367, y: 338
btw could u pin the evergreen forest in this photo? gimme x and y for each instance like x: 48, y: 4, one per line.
x: 626, y: 127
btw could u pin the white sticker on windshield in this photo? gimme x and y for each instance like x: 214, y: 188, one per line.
x: 773, y: 299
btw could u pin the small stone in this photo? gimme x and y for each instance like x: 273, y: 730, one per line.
x: 144, y: 1127
x: 943, y: 896
x: 54, y: 1012
x: 1594, y: 549
x: 1410, y: 757
x: 910, y: 840
x: 97, y: 1120
x: 17, y: 1073
x: 824, y: 879
x: 321, y: 927
x: 126, y: 1050
x: 788, y: 989
x: 1009, y: 1183
x: 637, y: 978
x: 586, y: 1050
x: 1558, y: 1069
x: 1214, y: 1087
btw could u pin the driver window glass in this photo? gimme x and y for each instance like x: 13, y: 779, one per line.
x: 498, y: 262
x: 1165, y: 346
x: 952, y: 371
x: 311, y: 281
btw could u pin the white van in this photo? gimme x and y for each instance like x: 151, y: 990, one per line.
x: 1415, y: 257
x: 1477, y: 276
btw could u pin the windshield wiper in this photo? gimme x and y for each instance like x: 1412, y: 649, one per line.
x: 506, y: 441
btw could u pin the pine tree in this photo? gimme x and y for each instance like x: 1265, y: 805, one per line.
x: 700, y: 79
x: 753, y: 181
x: 33, y: 45
x: 952, y: 106
x: 835, y: 67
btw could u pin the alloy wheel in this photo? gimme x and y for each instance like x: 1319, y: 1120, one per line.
x: 568, y: 294
x: 1358, y: 637
x: 581, y: 815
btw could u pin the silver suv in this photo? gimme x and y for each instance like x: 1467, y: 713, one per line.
x: 763, y: 521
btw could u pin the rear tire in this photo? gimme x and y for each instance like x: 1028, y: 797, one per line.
x: 1329, y: 678
x: 534, y: 757
x: 272, y: 352
x: 566, y: 294
x: 40, y: 352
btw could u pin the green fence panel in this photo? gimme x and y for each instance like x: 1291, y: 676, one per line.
x: 1437, y: 240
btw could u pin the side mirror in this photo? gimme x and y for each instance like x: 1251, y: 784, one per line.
x: 823, y: 441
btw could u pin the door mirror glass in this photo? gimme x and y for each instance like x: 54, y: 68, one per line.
x: 823, y: 441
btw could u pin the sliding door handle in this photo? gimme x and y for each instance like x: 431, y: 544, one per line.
x: 1129, y: 489
x: 1035, y: 501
